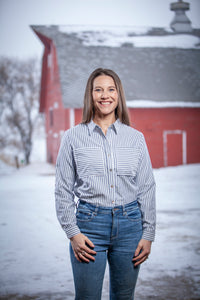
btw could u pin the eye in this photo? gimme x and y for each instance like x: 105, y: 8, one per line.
x: 111, y: 90
x: 97, y: 90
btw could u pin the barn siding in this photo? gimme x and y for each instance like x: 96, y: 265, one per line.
x: 153, y: 122
x: 172, y: 134
x: 55, y: 114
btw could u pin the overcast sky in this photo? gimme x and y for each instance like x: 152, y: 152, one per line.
x: 17, y: 39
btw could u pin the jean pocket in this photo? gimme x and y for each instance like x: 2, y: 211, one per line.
x: 84, y: 214
x: 133, y: 215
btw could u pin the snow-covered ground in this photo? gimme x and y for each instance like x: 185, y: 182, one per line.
x: 34, y: 258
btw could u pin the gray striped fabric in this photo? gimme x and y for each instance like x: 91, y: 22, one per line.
x: 104, y: 170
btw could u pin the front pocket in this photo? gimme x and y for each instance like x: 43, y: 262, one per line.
x: 133, y: 215
x: 83, y: 214
x: 89, y: 161
x: 127, y: 161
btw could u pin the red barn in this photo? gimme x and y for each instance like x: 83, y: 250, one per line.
x: 160, y: 71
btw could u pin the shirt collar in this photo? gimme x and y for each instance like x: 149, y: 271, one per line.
x: 92, y: 126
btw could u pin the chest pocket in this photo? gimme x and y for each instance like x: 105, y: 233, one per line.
x: 89, y: 161
x: 127, y: 161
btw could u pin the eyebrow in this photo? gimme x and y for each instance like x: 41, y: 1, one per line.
x: 112, y: 86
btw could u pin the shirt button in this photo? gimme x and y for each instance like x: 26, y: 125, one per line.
x: 110, y: 170
x: 111, y: 186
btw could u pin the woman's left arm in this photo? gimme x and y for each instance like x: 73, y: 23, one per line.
x: 146, y: 200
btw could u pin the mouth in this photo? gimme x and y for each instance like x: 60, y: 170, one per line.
x: 105, y: 103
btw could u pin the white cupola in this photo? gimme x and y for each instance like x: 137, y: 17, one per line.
x: 180, y: 22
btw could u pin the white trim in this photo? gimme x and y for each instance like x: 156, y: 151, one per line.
x: 71, y: 117
x: 160, y: 104
x: 61, y: 133
x: 165, y: 148
x: 184, y: 145
x: 55, y: 105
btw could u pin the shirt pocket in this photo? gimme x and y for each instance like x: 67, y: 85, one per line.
x: 89, y: 161
x: 127, y: 161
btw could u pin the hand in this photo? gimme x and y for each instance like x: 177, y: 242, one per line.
x: 142, y: 252
x: 82, y: 252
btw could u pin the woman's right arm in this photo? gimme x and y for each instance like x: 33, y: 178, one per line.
x: 64, y: 187
x: 65, y: 205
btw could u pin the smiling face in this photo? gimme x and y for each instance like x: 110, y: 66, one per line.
x: 105, y: 96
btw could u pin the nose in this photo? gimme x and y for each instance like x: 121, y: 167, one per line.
x: 104, y: 95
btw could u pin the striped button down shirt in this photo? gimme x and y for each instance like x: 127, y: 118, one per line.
x: 106, y: 170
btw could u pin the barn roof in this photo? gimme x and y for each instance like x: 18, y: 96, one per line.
x: 153, y: 63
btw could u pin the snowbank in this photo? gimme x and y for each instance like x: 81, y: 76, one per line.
x: 34, y: 257
x: 5, y: 169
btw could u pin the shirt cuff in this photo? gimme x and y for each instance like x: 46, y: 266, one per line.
x: 148, y: 235
x: 72, y: 231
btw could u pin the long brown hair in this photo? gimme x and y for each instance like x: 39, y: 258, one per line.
x: 121, y: 111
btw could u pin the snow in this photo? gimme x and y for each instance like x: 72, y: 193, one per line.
x: 120, y: 30
x: 132, y: 36
x: 156, y: 104
x: 38, y: 152
x: 5, y: 169
x: 34, y: 257
x: 183, y: 41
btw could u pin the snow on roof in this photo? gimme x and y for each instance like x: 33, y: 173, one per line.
x: 161, y: 66
x: 101, y: 28
x: 133, y: 36
x: 157, y: 104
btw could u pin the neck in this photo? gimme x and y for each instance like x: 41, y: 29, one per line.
x: 104, y: 122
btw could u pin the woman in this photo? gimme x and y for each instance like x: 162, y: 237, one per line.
x: 105, y: 163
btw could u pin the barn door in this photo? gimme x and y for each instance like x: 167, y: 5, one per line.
x: 174, y: 146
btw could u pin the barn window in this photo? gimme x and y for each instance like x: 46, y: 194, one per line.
x: 51, y: 117
x: 50, y: 158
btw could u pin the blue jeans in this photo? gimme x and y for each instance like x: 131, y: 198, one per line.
x: 115, y: 232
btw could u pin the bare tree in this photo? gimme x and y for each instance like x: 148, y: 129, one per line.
x: 19, y: 93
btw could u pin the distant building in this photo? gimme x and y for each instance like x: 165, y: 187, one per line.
x: 159, y: 69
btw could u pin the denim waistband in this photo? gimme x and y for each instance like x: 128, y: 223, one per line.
x: 99, y: 208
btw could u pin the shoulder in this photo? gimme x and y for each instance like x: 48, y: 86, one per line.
x: 74, y: 133
x: 76, y: 130
x: 131, y: 133
x: 135, y: 139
